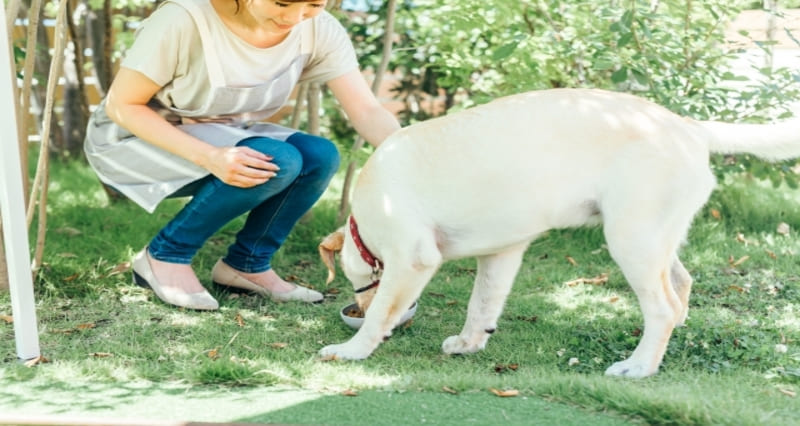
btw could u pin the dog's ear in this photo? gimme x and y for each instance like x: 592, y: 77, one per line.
x: 328, y: 248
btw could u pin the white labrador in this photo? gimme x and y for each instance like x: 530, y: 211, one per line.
x: 487, y: 181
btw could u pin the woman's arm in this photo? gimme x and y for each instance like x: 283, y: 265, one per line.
x: 126, y: 105
x: 370, y: 119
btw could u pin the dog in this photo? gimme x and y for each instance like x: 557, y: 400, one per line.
x: 486, y: 181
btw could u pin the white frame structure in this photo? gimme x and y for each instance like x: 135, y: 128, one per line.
x: 12, y: 209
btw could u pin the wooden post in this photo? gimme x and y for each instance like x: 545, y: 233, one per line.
x: 12, y: 210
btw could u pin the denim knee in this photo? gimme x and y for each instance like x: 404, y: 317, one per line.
x: 288, y: 158
x: 320, y: 156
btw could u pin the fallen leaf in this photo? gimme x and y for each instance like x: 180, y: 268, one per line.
x: 349, y: 392
x: 740, y: 260
x: 72, y: 232
x: 504, y: 393
x: 119, y: 268
x: 279, y: 345
x: 736, y: 288
x: 783, y: 228
x: 333, y: 291
x: 598, y: 280
x: 239, y: 320
x: 327, y: 358
x: 532, y: 318
x: 572, y: 261
x: 771, y: 254
x: 787, y: 392
x: 716, y: 214
x: 613, y: 299
x: 448, y: 390
x: 451, y: 302
x: 71, y: 277
x: 213, y: 353
x: 100, y: 355
x: 38, y: 360
x: 7, y: 318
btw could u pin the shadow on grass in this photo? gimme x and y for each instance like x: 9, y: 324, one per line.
x: 147, y: 402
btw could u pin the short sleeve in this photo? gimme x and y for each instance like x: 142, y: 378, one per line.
x: 157, y: 48
x: 333, y: 53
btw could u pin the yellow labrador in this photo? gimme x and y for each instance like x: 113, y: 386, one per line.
x: 487, y: 181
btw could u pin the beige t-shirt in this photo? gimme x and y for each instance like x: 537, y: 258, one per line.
x: 168, y: 50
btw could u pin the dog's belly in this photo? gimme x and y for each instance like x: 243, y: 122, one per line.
x: 494, y: 233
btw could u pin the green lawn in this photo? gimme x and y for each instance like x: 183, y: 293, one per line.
x: 112, y: 345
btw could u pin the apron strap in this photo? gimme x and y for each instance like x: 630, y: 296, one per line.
x: 215, y: 74
x: 307, y: 36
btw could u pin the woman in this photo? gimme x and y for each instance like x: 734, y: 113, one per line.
x: 182, y: 117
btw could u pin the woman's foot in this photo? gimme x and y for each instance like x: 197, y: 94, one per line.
x: 174, y: 283
x: 266, y: 283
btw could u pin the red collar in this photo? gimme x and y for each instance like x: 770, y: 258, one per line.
x: 377, y: 265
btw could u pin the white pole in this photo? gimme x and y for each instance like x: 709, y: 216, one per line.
x: 12, y: 209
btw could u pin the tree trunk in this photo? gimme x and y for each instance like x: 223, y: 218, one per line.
x: 38, y: 95
x: 99, y: 37
x: 75, y: 113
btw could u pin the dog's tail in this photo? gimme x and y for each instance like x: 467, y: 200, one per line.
x: 780, y: 141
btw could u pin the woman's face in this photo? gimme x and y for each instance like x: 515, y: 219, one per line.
x: 280, y: 16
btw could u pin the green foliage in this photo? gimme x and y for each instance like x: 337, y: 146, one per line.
x: 674, y: 54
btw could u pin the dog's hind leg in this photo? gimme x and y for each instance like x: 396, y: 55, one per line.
x: 493, y: 283
x: 645, y: 262
x: 682, y: 284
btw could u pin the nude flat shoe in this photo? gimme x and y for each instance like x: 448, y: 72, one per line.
x: 143, y: 276
x: 225, y: 276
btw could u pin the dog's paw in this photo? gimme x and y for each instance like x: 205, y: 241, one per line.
x: 457, y: 345
x: 682, y: 317
x: 344, y: 351
x: 630, y: 369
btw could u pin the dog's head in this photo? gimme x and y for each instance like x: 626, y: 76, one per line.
x: 355, y: 268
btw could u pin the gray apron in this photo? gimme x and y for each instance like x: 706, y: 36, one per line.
x: 147, y: 174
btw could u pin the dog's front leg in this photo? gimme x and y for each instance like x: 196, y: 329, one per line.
x: 396, y: 293
x: 492, y: 285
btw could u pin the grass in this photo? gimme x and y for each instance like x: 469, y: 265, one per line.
x: 736, y: 362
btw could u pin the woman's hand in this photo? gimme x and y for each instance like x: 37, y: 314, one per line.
x: 126, y: 104
x: 241, y: 166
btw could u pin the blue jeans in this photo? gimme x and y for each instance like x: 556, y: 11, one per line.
x: 307, y: 164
